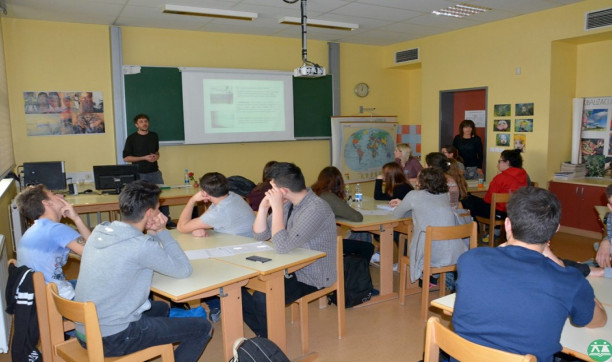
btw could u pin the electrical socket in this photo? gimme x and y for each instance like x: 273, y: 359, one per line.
x: 81, y: 176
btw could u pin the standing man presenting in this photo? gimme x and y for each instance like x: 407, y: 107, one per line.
x: 142, y: 148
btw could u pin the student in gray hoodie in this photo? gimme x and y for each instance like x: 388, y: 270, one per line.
x: 116, y: 271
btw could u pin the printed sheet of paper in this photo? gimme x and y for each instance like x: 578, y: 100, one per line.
x: 227, y: 251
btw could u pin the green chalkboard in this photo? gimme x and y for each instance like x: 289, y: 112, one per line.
x: 157, y: 92
x: 312, y: 106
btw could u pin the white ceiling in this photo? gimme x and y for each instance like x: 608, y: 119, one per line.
x: 381, y: 22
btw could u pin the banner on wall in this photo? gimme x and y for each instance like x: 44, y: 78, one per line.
x: 594, y: 115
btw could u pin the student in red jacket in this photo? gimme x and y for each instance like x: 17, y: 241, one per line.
x: 511, y: 177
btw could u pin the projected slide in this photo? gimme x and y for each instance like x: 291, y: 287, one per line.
x: 243, y: 106
x: 222, y: 106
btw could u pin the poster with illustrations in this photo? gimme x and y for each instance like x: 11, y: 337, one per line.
x: 502, y: 125
x: 523, y: 125
x: 502, y: 140
x: 362, y: 145
x: 63, y: 112
x: 520, y: 142
x: 596, y: 129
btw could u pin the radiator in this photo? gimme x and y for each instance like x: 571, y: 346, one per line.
x: 5, y: 319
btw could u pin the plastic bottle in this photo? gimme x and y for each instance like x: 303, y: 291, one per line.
x: 347, y: 192
x: 358, y: 195
x: 187, y: 177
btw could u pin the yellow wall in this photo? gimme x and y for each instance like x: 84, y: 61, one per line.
x: 487, y: 56
x: 43, y: 56
x: 482, y: 56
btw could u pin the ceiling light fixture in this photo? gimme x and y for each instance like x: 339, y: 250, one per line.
x: 461, y: 10
x: 215, y: 13
x: 319, y: 23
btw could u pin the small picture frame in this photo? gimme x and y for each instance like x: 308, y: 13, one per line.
x: 502, y: 110
x: 520, y: 142
x: 523, y: 125
x: 502, y: 125
x: 502, y: 140
x: 523, y: 109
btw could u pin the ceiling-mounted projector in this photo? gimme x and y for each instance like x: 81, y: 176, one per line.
x: 309, y: 70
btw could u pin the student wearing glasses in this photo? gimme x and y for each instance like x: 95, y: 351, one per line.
x: 511, y: 177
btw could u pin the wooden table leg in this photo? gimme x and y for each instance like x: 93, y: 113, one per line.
x: 386, y: 259
x: 231, y: 317
x: 275, y: 309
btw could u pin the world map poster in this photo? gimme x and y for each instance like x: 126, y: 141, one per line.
x: 365, y: 148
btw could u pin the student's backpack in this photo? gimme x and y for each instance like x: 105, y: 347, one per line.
x: 257, y: 349
x: 357, y: 281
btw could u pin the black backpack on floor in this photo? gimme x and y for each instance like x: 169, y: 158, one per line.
x: 257, y: 349
x: 357, y: 281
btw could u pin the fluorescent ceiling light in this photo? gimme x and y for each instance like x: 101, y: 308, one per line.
x: 319, y: 23
x: 461, y: 10
x: 215, y: 13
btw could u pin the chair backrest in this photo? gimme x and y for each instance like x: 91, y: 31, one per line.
x: 437, y: 337
x: 497, y: 198
x: 432, y: 234
x: 78, y: 312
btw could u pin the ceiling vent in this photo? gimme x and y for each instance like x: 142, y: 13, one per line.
x: 598, y: 19
x: 408, y: 55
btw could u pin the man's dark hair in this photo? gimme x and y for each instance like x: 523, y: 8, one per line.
x: 29, y: 201
x: 433, y: 180
x: 136, y: 198
x: 609, y: 191
x: 514, y: 157
x: 139, y: 116
x: 288, y: 175
x: 215, y: 184
x: 535, y: 214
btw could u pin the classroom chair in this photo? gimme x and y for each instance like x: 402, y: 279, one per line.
x: 437, y: 337
x: 433, y: 235
x: 492, y: 222
x: 40, y: 299
x: 301, y: 304
x: 85, y: 313
x: 405, y: 229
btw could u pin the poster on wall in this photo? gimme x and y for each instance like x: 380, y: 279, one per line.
x: 478, y: 116
x: 596, y: 128
x: 63, y: 112
x: 362, y: 145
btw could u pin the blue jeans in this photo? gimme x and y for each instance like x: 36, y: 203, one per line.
x: 156, y: 328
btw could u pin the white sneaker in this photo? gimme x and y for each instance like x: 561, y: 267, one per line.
x: 375, y: 257
x: 396, y: 267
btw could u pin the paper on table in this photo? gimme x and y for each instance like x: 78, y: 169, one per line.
x: 374, y: 212
x: 227, y: 251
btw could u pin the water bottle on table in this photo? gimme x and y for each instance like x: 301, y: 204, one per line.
x: 358, y: 195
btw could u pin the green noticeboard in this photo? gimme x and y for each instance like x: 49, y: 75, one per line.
x: 157, y: 92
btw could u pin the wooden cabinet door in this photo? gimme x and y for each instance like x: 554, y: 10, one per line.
x: 591, y: 196
x: 569, y: 195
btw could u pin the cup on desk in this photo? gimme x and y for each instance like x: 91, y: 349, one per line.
x: 480, y: 183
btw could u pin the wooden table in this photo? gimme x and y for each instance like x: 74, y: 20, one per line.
x: 96, y: 202
x: 575, y: 340
x: 265, y: 277
x: 211, y: 277
x: 382, y: 225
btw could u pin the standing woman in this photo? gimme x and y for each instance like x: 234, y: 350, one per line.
x: 470, y: 149
x: 396, y: 184
x: 410, y: 164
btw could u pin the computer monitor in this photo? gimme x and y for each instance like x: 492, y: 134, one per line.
x: 110, y: 179
x: 49, y: 173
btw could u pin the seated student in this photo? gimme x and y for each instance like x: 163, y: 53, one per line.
x: 229, y: 213
x: 514, y: 297
x: 430, y: 206
x: 457, y: 186
x: 299, y: 219
x: 396, y: 184
x: 451, y: 152
x: 330, y: 187
x: 116, y: 272
x: 259, y: 192
x: 603, y: 251
x: 511, y: 177
x: 410, y: 164
x: 45, y: 245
